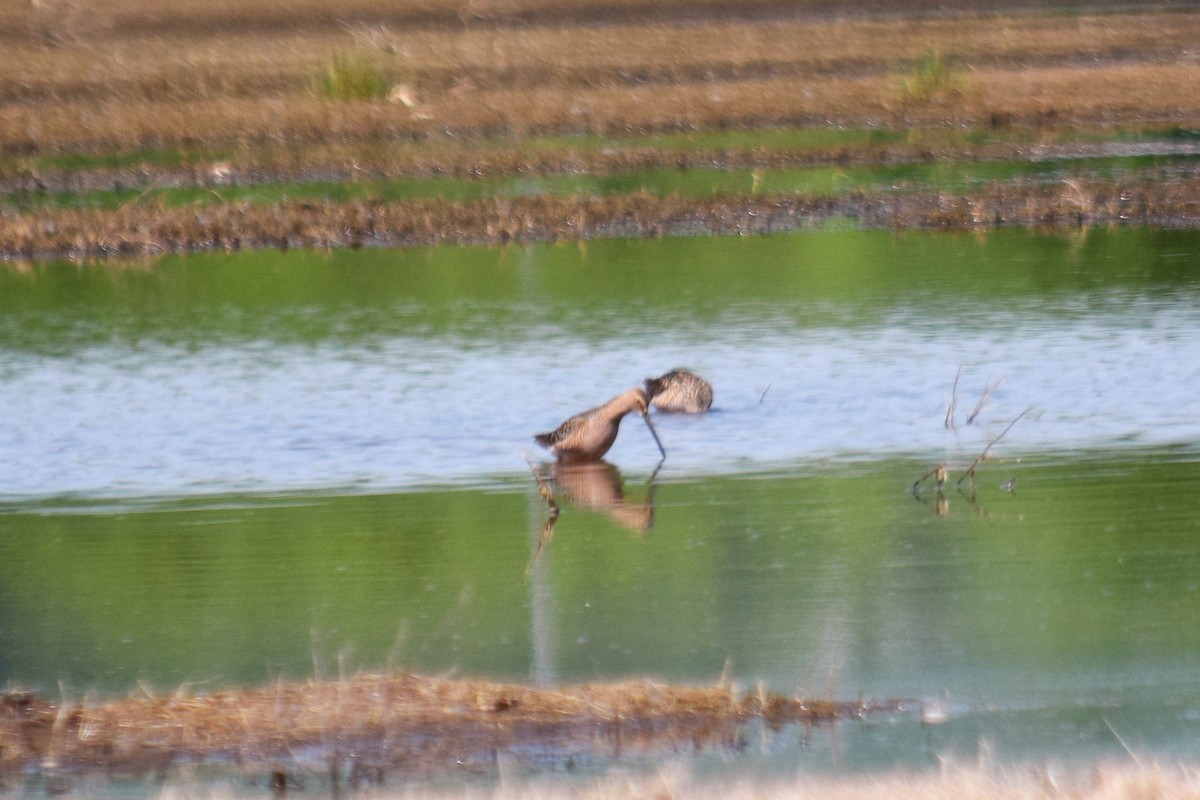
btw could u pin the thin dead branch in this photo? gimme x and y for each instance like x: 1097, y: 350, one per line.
x: 1121, y: 741
x: 970, y: 473
x: 949, y: 423
x: 940, y: 472
x: 983, y: 399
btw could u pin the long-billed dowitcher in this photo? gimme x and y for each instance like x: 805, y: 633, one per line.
x: 588, y: 436
x: 680, y: 390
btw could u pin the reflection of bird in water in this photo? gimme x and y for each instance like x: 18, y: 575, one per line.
x: 681, y: 391
x: 596, y: 486
x: 589, y: 435
x: 592, y: 486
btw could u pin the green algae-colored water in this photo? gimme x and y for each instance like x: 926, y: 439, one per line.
x: 223, y: 470
x: 834, y: 574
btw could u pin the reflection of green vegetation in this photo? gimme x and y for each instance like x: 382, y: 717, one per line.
x: 244, y: 592
x: 1090, y: 563
x: 838, y: 279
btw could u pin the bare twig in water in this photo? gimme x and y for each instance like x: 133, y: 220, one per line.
x: 949, y: 423
x: 940, y: 471
x: 1121, y: 741
x: 987, y: 394
x: 970, y: 473
x: 763, y: 396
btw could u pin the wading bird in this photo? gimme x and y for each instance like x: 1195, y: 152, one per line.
x: 681, y: 391
x: 588, y: 436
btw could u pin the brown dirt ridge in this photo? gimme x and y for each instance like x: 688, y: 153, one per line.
x: 326, y: 225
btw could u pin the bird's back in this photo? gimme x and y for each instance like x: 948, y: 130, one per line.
x: 680, y: 390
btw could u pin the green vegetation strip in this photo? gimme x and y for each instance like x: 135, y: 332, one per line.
x: 823, y: 181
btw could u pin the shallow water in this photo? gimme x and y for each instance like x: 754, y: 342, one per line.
x: 225, y: 469
x: 382, y: 370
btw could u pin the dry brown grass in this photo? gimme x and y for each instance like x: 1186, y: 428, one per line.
x: 1100, y: 781
x: 122, y: 17
x: 178, y: 79
x: 380, y: 730
x: 139, y: 230
x: 1029, y: 98
x: 422, y: 723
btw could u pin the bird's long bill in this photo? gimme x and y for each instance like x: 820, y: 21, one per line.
x: 654, y: 433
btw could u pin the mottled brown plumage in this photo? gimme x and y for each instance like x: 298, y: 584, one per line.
x: 681, y: 391
x: 589, y: 435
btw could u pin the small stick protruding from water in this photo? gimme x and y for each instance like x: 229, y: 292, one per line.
x: 983, y: 399
x: 970, y: 473
x: 941, y: 473
x: 763, y: 396
x: 949, y: 423
x: 1121, y: 741
x: 726, y: 678
x: 654, y: 433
